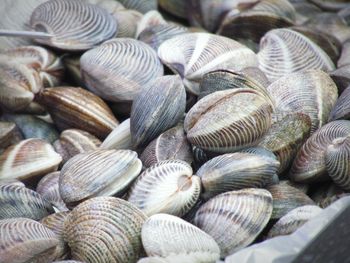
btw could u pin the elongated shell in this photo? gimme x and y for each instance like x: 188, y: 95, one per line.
x: 166, y: 187
x: 119, y: 68
x: 167, y: 236
x: 194, y: 54
x: 341, y: 108
x: 105, y: 229
x: 119, y: 138
x: 75, y: 25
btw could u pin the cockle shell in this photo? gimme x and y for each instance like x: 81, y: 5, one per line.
x: 169, y: 236
x: 140, y: 5
x: 166, y: 187
x: 234, y: 219
x: 341, y: 108
x: 175, y: 7
x: 256, y: 74
x: 119, y: 138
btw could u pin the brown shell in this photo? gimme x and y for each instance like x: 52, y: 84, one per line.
x: 8, y: 133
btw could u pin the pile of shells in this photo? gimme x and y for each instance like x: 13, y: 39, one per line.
x: 168, y: 131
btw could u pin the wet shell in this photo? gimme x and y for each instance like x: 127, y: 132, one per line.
x: 166, y: 187
x: 113, y: 172
x: 256, y: 74
x: 234, y: 219
x: 140, y: 5
x: 341, y: 109
x: 25, y: 240
x: 105, y: 229
x: 194, y: 54
x: 309, y: 164
x: 175, y: 7
x: 216, y: 122
x: 168, y: 236
x: 28, y: 159
x: 119, y: 138
x: 284, y: 51
x: 75, y: 25
x: 159, y: 106
x: 119, y: 68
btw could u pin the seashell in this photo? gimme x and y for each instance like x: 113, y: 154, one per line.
x: 75, y: 25
x: 72, y: 66
x: 174, y: 7
x: 113, y: 172
x: 293, y: 220
x: 235, y: 171
x: 159, y: 106
x: 28, y: 160
x: 119, y: 138
x: 127, y: 21
x: 167, y: 236
x: 25, y: 240
x: 105, y: 229
x: 234, y: 219
x: 341, y: 77
x: 18, y: 201
x: 149, y: 20
x: 256, y: 74
x: 170, y: 145
x: 309, y: 164
x: 140, y: 5
x: 337, y: 159
x: 73, y: 142
x: 280, y: 54
x: 68, y: 261
x: 304, y: 11
x: 119, y: 68
x: 11, y: 182
x: 341, y: 109
x: 257, y: 150
x: 199, y: 156
x: 78, y: 108
x: 301, y: 187
x: 191, y: 60
x: 166, y: 187
x: 345, y: 14
x: 330, y: 200
x: 325, y: 190
x: 215, y: 122
x: 331, y: 5
x: 8, y: 134
x: 345, y: 54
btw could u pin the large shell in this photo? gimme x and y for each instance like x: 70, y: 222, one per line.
x: 105, y: 229
x: 194, y: 54
x: 119, y: 68
x: 140, y: 5
x: 168, y: 236
x: 75, y: 25
x: 166, y: 187
x: 157, y: 108
x: 341, y: 109
x: 284, y: 51
x: 119, y: 138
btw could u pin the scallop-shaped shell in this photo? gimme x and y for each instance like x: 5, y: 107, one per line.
x: 166, y: 187
x: 25, y: 240
x: 309, y: 164
x: 159, y: 106
x: 18, y: 201
x: 293, y: 220
x: 78, y: 108
x: 341, y: 109
x: 140, y: 5
x: 119, y: 138
x: 235, y: 171
x: 175, y: 7
x: 167, y: 236
x: 28, y: 159
x: 105, y: 229
x: 75, y: 25
x: 234, y: 219
x: 216, y: 122
x: 113, y: 172
x: 284, y: 51
x: 119, y: 68
x: 194, y: 54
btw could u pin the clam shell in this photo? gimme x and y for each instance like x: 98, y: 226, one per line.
x: 234, y: 219
x: 119, y: 138
x: 127, y: 21
x: 140, y: 5
x: 341, y: 108
x: 175, y: 7
x: 105, y: 229
x: 166, y: 187
x: 7, y: 133
x: 11, y: 182
x: 150, y: 19
x: 168, y: 236
x: 304, y: 11
x: 199, y: 156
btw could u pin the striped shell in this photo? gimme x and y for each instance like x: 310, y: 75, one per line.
x: 119, y: 68
x: 166, y: 187
x: 127, y: 21
x: 104, y: 229
x: 8, y: 133
x: 98, y: 173
x: 169, y: 236
x: 194, y: 54
x: 341, y: 108
x: 119, y: 138
x: 11, y: 182
x: 75, y: 25
x: 159, y: 106
x: 284, y: 51
x: 140, y: 5
x: 149, y: 20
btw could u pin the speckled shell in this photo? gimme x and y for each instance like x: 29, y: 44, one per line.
x: 234, y: 219
x: 119, y: 138
x: 140, y: 5
x: 341, y: 109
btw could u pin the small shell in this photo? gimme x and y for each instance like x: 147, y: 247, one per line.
x: 119, y: 138
x: 140, y: 5
x: 341, y: 109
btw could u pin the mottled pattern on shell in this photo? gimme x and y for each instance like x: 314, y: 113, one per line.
x: 119, y: 138
x: 341, y: 109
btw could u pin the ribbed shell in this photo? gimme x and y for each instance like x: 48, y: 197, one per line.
x: 175, y: 7
x: 140, y: 5
x: 75, y: 25
x: 7, y: 133
x: 341, y: 77
x: 150, y: 19
x: 168, y: 236
x: 234, y: 219
x: 228, y: 120
x: 166, y: 187
x: 25, y: 240
x: 284, y: 51
x: 18, y: 201
x: 28, y: 159
x: 341, y: 109
x: 119, y: 138
x: 127, y: 22
x: 105, y: 229
x: 235, y: 171
x: 194, y: 54
x: 309, y: 164
x: 119, y: 68
x: 11, y: 182
x: 159, y: 106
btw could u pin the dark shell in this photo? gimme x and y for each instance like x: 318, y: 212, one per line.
x: 341, y: 109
